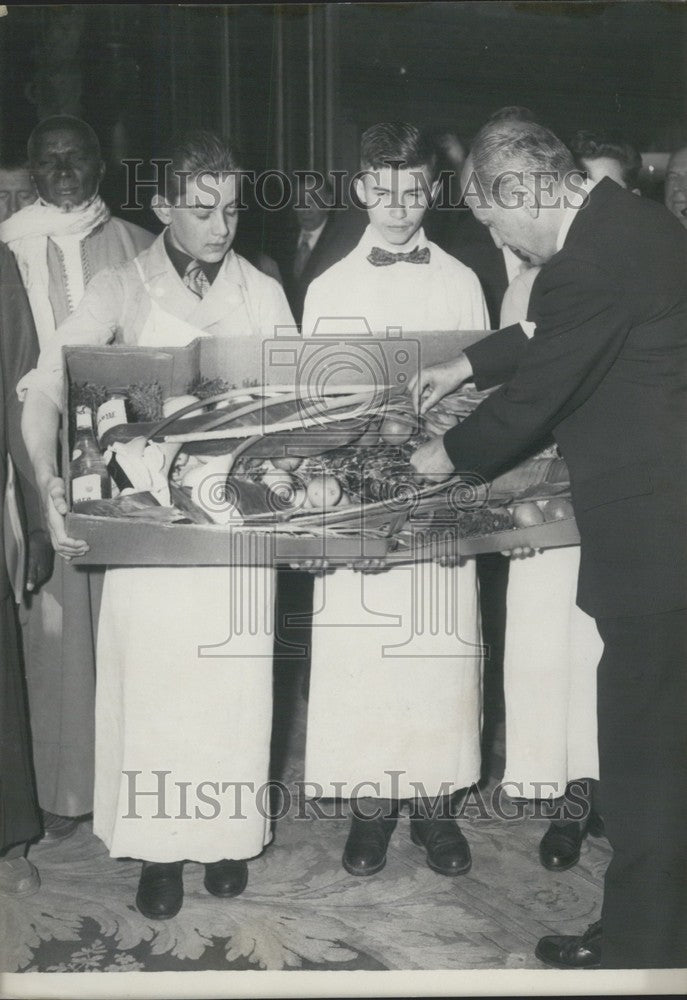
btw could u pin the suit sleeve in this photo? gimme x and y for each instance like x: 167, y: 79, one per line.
x: 496, y: 358
x: 18, y: 354
x: 581, y: 326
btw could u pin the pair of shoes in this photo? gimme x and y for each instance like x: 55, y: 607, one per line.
x: 572, y: 952
x: 18, y: 877
x: 559, y: 848
x: 226, y: 878
x: 365, y: 850
x: 595, y: 825
x: 448, y: 852
x: 57, y: 827
x: 160, y: 890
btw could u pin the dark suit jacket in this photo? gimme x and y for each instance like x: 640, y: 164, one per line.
x: 606, y: 372
x: 19, y: 817
x: 469, y: 241
x: 341, y: 233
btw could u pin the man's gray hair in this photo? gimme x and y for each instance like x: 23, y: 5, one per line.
x: 521, y: 146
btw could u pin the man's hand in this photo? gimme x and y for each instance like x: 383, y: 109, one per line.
x: 55, y: 508
x: 432, y: 384
x: 431, y: 462
x: 40, y: 560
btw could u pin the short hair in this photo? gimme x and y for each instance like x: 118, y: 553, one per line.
x: 510, y: 144
x: 593, y: 145
x: 57, y: 122
x: 512, y: 113
x: 194, y: 153
x: 396, y: 143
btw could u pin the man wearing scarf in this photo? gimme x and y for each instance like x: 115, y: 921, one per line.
x: 60, y: 243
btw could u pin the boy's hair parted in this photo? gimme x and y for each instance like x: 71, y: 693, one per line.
x: 195, y: 153
x: 398, y: 144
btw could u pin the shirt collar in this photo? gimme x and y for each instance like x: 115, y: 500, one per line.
x: 312, y: 234
x: 570, y: 214
x: 180, y: 260
x: 371, y: 238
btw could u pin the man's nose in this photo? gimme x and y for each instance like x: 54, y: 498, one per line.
x: 398, y: 211
x: 220, y: 227
x: 65, y: 166
x: 497, y: 239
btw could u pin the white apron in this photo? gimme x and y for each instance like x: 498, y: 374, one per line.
x: 551, y: 655
x: 190, y: 724
x: 395, y: 683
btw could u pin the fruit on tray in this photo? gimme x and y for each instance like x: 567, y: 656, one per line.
x: 324, y: 491
x: 558, y: 509
x: 526, y: 515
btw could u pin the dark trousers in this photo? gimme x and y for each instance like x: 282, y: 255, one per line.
x: 642, y: 707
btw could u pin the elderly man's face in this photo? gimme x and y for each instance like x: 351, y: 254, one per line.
x: 676, y: 185
x: 66, y: 171
x: 16, y: 191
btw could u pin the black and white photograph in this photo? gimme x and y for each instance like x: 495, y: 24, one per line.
x: 343, y: 386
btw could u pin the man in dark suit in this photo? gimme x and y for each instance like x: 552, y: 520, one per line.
x: 317, y: 237
x: 601, y: 363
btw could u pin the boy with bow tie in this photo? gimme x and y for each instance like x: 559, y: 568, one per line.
x: 390, y: 717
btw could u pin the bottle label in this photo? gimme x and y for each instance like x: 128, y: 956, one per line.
x: 110, y: 414
x: 84, y: 419
x: 88, y: 487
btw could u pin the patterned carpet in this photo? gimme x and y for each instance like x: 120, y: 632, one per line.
x: 301, y: 910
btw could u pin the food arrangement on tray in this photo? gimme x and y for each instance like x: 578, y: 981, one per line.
x: 329, y: 474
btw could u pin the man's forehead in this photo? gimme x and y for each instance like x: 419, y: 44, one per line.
x: 14, y: 178
x: 403, y: 179
x: 64, y: 138
x: 208, y: 190
x: 678, y: 161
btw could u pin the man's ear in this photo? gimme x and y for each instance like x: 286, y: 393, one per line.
x: 162, y: 209
x: 360, y: 191
x: 530, y: 201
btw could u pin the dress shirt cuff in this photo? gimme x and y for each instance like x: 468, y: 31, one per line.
x: 495, y: 358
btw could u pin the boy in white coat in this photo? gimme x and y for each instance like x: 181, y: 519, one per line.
x: 161, y: 706
x: 392, y: 718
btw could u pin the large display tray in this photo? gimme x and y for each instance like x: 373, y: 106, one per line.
x: 144, y: 541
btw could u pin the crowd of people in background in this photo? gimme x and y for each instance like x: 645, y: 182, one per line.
x: 73, y: 271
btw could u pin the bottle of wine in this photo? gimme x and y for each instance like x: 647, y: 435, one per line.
x: 87, y: 469
x: 112, y: 413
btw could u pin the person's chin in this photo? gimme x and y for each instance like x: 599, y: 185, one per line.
x: 211, y: 255
x: 398, y: 236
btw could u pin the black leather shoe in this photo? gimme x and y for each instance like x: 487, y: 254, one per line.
x: 365, y: 850
x: 595, y: 825
x: 226, y: 878
x: 448, y: 852
x: 56, y: 827
x: 566, y: 952
x: 559, y: 848
x: 160, y: 890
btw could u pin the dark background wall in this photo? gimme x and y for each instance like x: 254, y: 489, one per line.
x: 297, y: 83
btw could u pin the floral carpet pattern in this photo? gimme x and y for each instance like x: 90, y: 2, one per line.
x: 301, y: 910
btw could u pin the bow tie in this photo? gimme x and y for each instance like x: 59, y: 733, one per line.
x: 381, y: 258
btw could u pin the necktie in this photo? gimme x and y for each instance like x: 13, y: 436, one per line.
x: 382, y: 258
x: 302, y: 254
x: 195, y: 279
